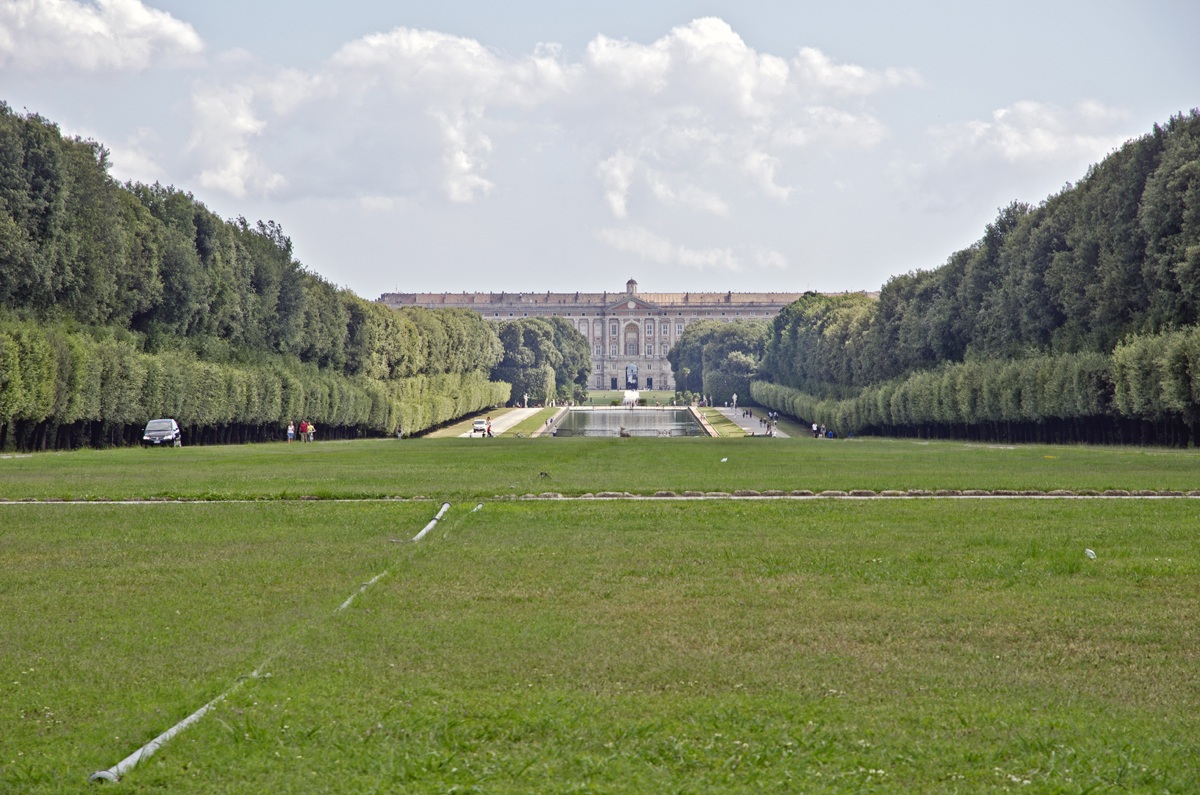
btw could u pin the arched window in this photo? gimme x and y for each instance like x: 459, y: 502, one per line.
x: 633, y: 340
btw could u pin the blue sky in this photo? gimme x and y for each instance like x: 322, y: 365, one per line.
x: 549, y: 146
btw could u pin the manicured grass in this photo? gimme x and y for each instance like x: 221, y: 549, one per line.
x: 531, y: 424
x: 649, y: 646
x: 725, y: 427
x: 116, y: 617
x: 459, y: 469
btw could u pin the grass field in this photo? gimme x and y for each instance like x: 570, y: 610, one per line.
x: 457, y: 469
x: 602, y: 646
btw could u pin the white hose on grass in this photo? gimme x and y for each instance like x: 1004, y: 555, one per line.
x: 115, y: 772
x: 148, y: 750
x: 381, y: 575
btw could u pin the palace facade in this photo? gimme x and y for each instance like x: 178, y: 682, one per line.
x: 629, y: 333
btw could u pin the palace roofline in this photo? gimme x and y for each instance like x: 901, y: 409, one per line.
x: 549, y: 298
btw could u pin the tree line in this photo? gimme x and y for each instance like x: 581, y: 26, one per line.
x: 1073, y: 320
x: 119, y: 303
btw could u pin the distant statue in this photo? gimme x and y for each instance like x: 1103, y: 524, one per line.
x: 623, y: 432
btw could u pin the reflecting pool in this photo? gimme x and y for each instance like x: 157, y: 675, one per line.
x: 629, y: 422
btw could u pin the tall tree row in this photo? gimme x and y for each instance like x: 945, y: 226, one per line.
x: 123, y: 302
x: 1101, y: 274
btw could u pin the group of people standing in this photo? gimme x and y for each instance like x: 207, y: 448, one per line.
x: 307, y: 430
x: 770, y: 422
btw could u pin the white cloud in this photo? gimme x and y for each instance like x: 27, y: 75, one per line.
x: 463, y: 156
x: 824, y: 126
x: 134, y: 159
x: 627, y: 66
x: 769, y: 259
x: 685, y: 122
x: 616, y: 177
x: 676, y: 192
x: 1031, y: 132
x: 226, y: 125
x: 760, y: 167
x: 1024, y: 151
x: 817, y: 74
x: 107, y: 35
x: 651, y: 247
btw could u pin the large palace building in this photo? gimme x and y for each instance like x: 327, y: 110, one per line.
x: 630, y: 333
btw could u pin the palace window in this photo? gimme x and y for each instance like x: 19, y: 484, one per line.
x: 649, y: 348
x: 649, y: 328
x: 612, y: 329
x: 666, y: 328
x: 678, y: 328
x: 631, y: 349
x: 612, y: 349
x: 665, y: 349
x: 599, y: 349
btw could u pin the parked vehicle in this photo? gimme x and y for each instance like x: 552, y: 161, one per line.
x: 161, y: 433
x: 479, y: 426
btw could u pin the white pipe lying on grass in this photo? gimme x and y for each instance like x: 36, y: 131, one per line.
x: 381, y: 575
x: 115, y: 772
x: 432, y: 522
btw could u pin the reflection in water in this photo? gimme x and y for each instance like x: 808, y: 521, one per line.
x: 624, y: 422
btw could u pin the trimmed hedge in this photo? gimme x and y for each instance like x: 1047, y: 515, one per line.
x: 1148, y: 390
x: 65, y: 389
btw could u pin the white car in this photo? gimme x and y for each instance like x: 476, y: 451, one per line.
x: 480, y: 426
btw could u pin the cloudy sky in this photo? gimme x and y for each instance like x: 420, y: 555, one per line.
x: 540, y: 145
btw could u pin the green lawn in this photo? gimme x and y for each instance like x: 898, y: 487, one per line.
x: 601, y: 646
x: 458, y: 469
x: 605, y: 646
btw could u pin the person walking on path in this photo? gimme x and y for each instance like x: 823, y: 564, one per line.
x: 291, y: 432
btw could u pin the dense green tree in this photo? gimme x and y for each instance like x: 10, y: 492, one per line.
x: 530, y: 359
x: 718, y: 358
x: 571, y: 374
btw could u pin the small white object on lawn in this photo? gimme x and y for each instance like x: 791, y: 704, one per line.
x: 1091, y: 555
x: 723, y: 460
